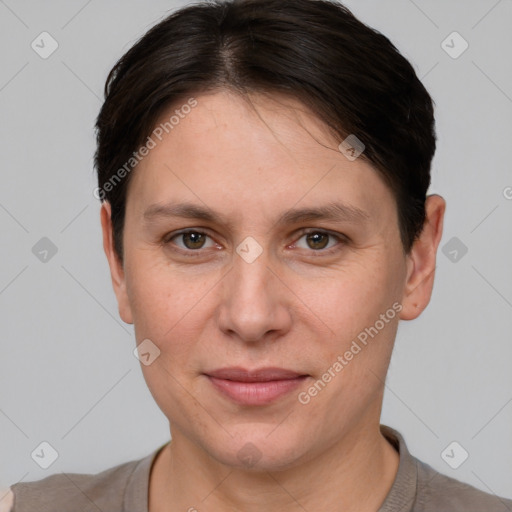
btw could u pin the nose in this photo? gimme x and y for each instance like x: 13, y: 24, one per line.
x: 256, y: 303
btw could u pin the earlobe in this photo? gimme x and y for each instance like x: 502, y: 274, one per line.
x: 421, y: 261
x: 117, y: 273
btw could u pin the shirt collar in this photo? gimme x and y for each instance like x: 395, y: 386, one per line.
x: 136, y: 493
x: 402, y: 494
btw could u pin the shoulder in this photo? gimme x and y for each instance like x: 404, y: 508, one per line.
x: 74, y: 491
x: 439, y: 492
x: 6, y: 500
x: 418, y: 487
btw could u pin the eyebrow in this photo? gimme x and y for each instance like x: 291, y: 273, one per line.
x: 333, y: 211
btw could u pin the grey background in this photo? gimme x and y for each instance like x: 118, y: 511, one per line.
x: 67, y: 372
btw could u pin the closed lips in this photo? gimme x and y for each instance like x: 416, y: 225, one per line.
x: 259, y: 375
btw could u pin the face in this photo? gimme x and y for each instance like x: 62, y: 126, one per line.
x: 227, y: 267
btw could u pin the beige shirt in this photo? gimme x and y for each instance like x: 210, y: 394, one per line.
x: 124, y: 488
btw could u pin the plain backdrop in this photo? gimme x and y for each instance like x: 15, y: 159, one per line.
x: 68, y: 375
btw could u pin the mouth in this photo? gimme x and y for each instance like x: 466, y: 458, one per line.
x: 257, y: 387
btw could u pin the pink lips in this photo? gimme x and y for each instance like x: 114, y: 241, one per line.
x: 257, y: 387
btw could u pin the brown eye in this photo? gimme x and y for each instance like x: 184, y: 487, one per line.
x: 193, y: 239
x: 317, y: 240
x: 322, y: 242
x: 188, y: 241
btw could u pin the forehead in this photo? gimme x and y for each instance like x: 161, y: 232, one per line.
x: 262, y: 153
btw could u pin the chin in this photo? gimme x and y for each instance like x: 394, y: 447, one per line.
x: 256, y: 451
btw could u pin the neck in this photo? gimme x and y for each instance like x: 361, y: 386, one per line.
x: 354, y: 474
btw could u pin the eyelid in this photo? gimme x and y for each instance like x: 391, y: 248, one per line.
x: 169, y: 236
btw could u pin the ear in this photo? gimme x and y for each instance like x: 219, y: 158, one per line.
x: 116, y: 267
x: 421, y: 261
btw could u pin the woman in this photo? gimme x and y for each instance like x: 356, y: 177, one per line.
x: 263, y: 168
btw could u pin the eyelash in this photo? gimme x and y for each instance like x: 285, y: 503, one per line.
x: 342, y: 240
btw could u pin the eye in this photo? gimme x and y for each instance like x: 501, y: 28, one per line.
x: 192, y: 240
x: 318, y: 241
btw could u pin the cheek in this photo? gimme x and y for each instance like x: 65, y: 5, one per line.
x: 351, y: 307
x: 167, y: 309
x: 355, y: 298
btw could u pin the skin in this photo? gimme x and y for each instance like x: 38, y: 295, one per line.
x: 297, y: 306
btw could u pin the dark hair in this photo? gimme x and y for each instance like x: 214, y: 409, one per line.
x: 316, y: 51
